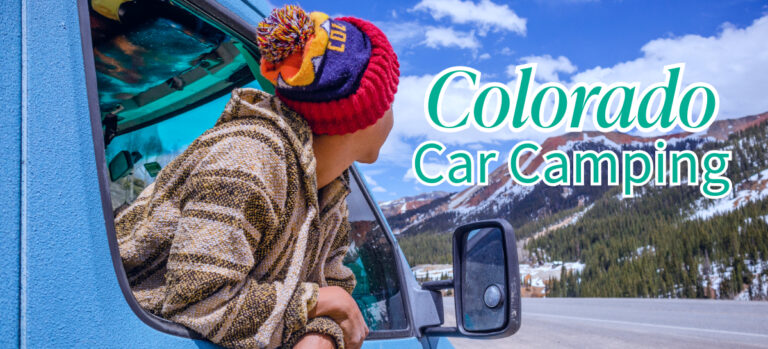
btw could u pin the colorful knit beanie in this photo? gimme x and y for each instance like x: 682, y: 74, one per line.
x: 340, y: 74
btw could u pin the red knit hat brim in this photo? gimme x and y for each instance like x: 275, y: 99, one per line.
x: 373, y: 97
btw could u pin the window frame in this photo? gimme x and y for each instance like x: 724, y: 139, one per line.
x: 233, y: 25
x: 376, y: 212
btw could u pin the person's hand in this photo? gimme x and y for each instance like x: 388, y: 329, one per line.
x: 339, y: 305
x: 315, y: 341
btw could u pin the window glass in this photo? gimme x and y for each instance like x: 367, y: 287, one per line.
x: 164, y: 77
x: 154, y: 59
x: 157, y: 145
x: 372, y: 258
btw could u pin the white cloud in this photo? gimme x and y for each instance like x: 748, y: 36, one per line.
x: 411, y: 126
x: 448, y: 37
x: 372, y: 184
x: 511, y: 71
x: 369, y: 180
x: 476, y: 146
x: 733, y: 61
x: 507, y: 51
x: 484, y: 56
x: 547, y: 68
x: 485, y: 14
x: 429, y: 168
x: 402, y: 34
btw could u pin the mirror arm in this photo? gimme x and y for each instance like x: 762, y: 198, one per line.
x: 434, y: 288
x: 442, y: 332
x: 437, y: 285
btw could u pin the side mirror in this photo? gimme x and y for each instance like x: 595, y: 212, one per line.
x: 486, y: 284
x: 120, y: 165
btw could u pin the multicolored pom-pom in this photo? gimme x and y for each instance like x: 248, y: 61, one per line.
x: 285, y: 31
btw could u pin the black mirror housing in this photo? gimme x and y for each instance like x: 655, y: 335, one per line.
x: 499, y: 294
x: 120, y: 165
x: 486, y: 282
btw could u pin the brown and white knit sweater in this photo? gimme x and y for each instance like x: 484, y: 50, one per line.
x: 233, y: 238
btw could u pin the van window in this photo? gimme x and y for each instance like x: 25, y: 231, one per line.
x: 373, y: 260
x: 163, y: 78
x: 154, y: 60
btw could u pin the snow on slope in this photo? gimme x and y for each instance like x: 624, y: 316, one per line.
x: 753, y: 188
x: 536, y: 275
x: 501, y: 191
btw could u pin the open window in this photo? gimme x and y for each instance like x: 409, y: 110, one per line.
x: 158, y: 76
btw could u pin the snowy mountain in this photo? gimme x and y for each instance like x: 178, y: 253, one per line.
x: 669, y: 241
x: 502, y: 197
x: 402, y: 205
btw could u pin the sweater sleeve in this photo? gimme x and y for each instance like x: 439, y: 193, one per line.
x: 228, y: 205
x: 336, y: 273
x: 321, y: 325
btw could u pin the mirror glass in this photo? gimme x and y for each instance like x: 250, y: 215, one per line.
x: 120, y: 165
x: 483, y: 287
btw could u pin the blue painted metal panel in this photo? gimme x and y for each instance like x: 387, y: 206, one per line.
x: 402, y: 343
x: 10, y: 164
x: 71, y: 297
x: 441, y: 343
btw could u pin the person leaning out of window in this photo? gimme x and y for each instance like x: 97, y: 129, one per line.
x: 241, y: 237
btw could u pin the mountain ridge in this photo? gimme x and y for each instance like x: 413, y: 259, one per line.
x: 667, y: 241
x: 501, y: 188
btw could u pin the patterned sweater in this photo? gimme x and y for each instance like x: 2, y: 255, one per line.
x: 233, y: 239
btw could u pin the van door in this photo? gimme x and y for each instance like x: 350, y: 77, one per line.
x: 164, y: 73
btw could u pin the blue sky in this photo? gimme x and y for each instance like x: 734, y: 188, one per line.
x: 724, y: 43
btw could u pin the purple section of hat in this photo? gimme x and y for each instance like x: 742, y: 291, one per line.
x: 341, y: 68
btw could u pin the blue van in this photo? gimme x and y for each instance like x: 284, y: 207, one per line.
x: 98, y: 96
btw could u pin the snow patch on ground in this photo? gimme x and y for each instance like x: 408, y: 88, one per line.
x: 536, y: 275
x: 706, y: 208
x: 433, y: 272
x: 638, y: 252
x: 716, y: 273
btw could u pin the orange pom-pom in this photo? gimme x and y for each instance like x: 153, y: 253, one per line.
x: 284, y: 32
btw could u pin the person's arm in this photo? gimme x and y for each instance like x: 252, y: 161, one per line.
x: 230, y: 204
x: 335, y: 303
x: 336, y: 300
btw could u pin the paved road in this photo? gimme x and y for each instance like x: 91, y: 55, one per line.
x: 631, y: 323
